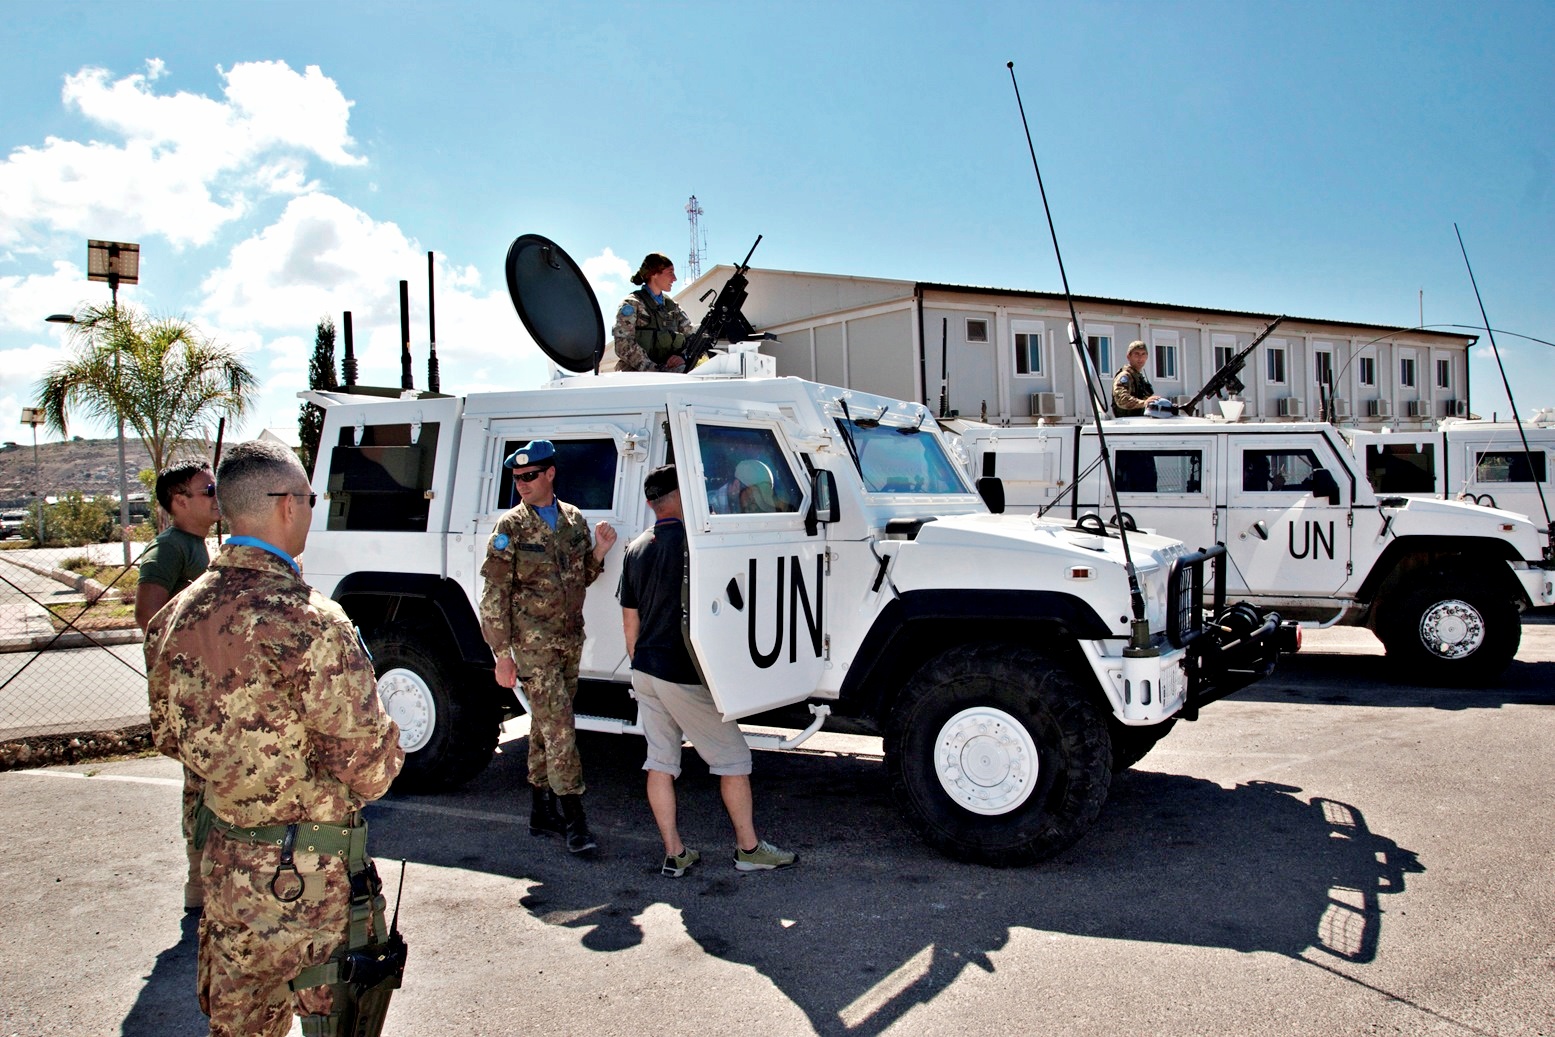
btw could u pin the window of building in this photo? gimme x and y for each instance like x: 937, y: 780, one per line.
x: 1406, y: 372
x: 1225, y: 349
x: 1509, y: 466
x: 381, y: 483
x: 977, y: 329
x: 1028, y: 348
x: 1100, y: 348
x: 1444, y: 374
x: 1367, y: 366
x: 1166, y: 345
x: 1323, y: 366
x: 1275, y: 365
x: 585, y: 473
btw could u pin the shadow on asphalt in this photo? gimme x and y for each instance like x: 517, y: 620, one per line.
x: 872, y: 923
x: 167, y: 1005
x: 1367, y: 680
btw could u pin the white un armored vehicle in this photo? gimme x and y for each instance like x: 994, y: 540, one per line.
x: 1000, y: 657
x: 1442, y: 583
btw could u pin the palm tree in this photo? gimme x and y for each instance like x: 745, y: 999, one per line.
x: 168, y: 381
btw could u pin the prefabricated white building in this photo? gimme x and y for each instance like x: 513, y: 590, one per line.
x: 1008, y: 354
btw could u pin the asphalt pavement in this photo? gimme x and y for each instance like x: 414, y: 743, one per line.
x: 1327, y: 852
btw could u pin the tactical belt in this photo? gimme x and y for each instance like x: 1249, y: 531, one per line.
x: 347, y: 840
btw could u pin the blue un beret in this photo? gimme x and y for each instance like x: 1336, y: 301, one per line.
x: 538, y: 451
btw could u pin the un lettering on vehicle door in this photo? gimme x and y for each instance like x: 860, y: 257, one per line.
x: 1283, y: 539
x: 757, y: 585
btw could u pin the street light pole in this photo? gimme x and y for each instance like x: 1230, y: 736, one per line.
x: 115, y: 262
x: 34, y: 416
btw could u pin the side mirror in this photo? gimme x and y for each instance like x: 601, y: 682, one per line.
x: 823, y: 501
x: 991, y: 489
x: 1325, y: 485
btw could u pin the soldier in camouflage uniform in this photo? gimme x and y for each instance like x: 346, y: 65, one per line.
x: 538, y: 566
x: 1131, y: 390
x: 651, y: 328
x: 259, y: 684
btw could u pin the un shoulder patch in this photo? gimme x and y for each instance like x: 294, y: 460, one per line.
x: 499, y: 542
x: 626, y: 310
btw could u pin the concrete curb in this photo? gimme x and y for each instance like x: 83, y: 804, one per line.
x: 70, y: 638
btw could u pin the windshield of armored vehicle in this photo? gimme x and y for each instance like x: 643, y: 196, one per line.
x: 901, y: 460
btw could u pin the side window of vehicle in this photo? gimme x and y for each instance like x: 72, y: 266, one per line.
x: 1509, y: 466
x: 1401, y: 468
x: 1160, y: 471
x: 1278, y: 471
x: 585, y: 473
x: 381, y: 483
x: 746, y: 470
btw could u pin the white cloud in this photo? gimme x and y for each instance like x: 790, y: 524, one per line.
x: 322, y: 257
x: 26, y: 300
x: 186, y: 162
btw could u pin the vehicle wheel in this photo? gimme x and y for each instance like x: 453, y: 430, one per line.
x: 447, y: 740
x: 1132, y: 744
x: 1448, y: 627
x: 996, y: 755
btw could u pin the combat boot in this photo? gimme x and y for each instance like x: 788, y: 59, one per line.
x: 544, y: 817
x: 579, y: 839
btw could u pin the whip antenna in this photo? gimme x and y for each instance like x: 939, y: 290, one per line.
x: 1141, y: 626
x: 1549, y: 527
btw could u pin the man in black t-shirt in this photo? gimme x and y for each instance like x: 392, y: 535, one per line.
x: 673, y: 702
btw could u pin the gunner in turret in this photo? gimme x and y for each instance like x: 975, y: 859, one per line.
x: 651, y: 329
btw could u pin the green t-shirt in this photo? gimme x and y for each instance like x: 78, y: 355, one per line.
x: 174, y: 559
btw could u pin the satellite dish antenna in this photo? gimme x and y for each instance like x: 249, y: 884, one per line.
x: 556, y: 304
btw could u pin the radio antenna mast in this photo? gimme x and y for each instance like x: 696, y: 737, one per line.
x: 698, y: 241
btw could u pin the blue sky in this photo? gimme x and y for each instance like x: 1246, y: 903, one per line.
x: 283, y: 161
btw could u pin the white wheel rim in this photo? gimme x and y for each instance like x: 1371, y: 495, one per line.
x: 986, y: 760
x: 407, y: 698
x: 1452, y: 629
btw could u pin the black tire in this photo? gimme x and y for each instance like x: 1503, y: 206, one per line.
x: 1450, y: 626
x: 1132, y: 744
x: 448, y: 739
x: 1047, y: 764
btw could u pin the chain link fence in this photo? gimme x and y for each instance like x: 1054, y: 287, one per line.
x: 71, y: 663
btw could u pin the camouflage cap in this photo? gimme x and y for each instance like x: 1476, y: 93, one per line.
x: 535, y: 452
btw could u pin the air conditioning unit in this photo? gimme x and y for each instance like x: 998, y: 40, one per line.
x: 1379, y: 408
x: 1047, y: 404
x: 1455, y: 408
x: 1291, y: 407
x: 1417, y: 409
x: 1339, y: 408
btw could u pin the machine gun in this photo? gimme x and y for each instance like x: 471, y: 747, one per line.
x: 723, y: 320
x: 1225, y: 379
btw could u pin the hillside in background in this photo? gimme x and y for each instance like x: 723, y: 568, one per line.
x: 90, y: 466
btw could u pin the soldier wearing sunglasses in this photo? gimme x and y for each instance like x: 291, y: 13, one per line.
x: 539, y: 564
x: 187, y: 492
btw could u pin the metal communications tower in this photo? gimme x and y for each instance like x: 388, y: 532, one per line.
x: 698, y: 241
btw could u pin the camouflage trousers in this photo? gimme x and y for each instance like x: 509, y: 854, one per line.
x: 252, y: 945
x: 550, y: 678
x: 194, y: 885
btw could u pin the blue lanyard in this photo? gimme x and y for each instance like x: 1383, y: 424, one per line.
x: 246, y: 541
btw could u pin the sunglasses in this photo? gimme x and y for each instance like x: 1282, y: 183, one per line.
x: 209, y: 491
x: 313, y: 498
x: 529, y: 476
